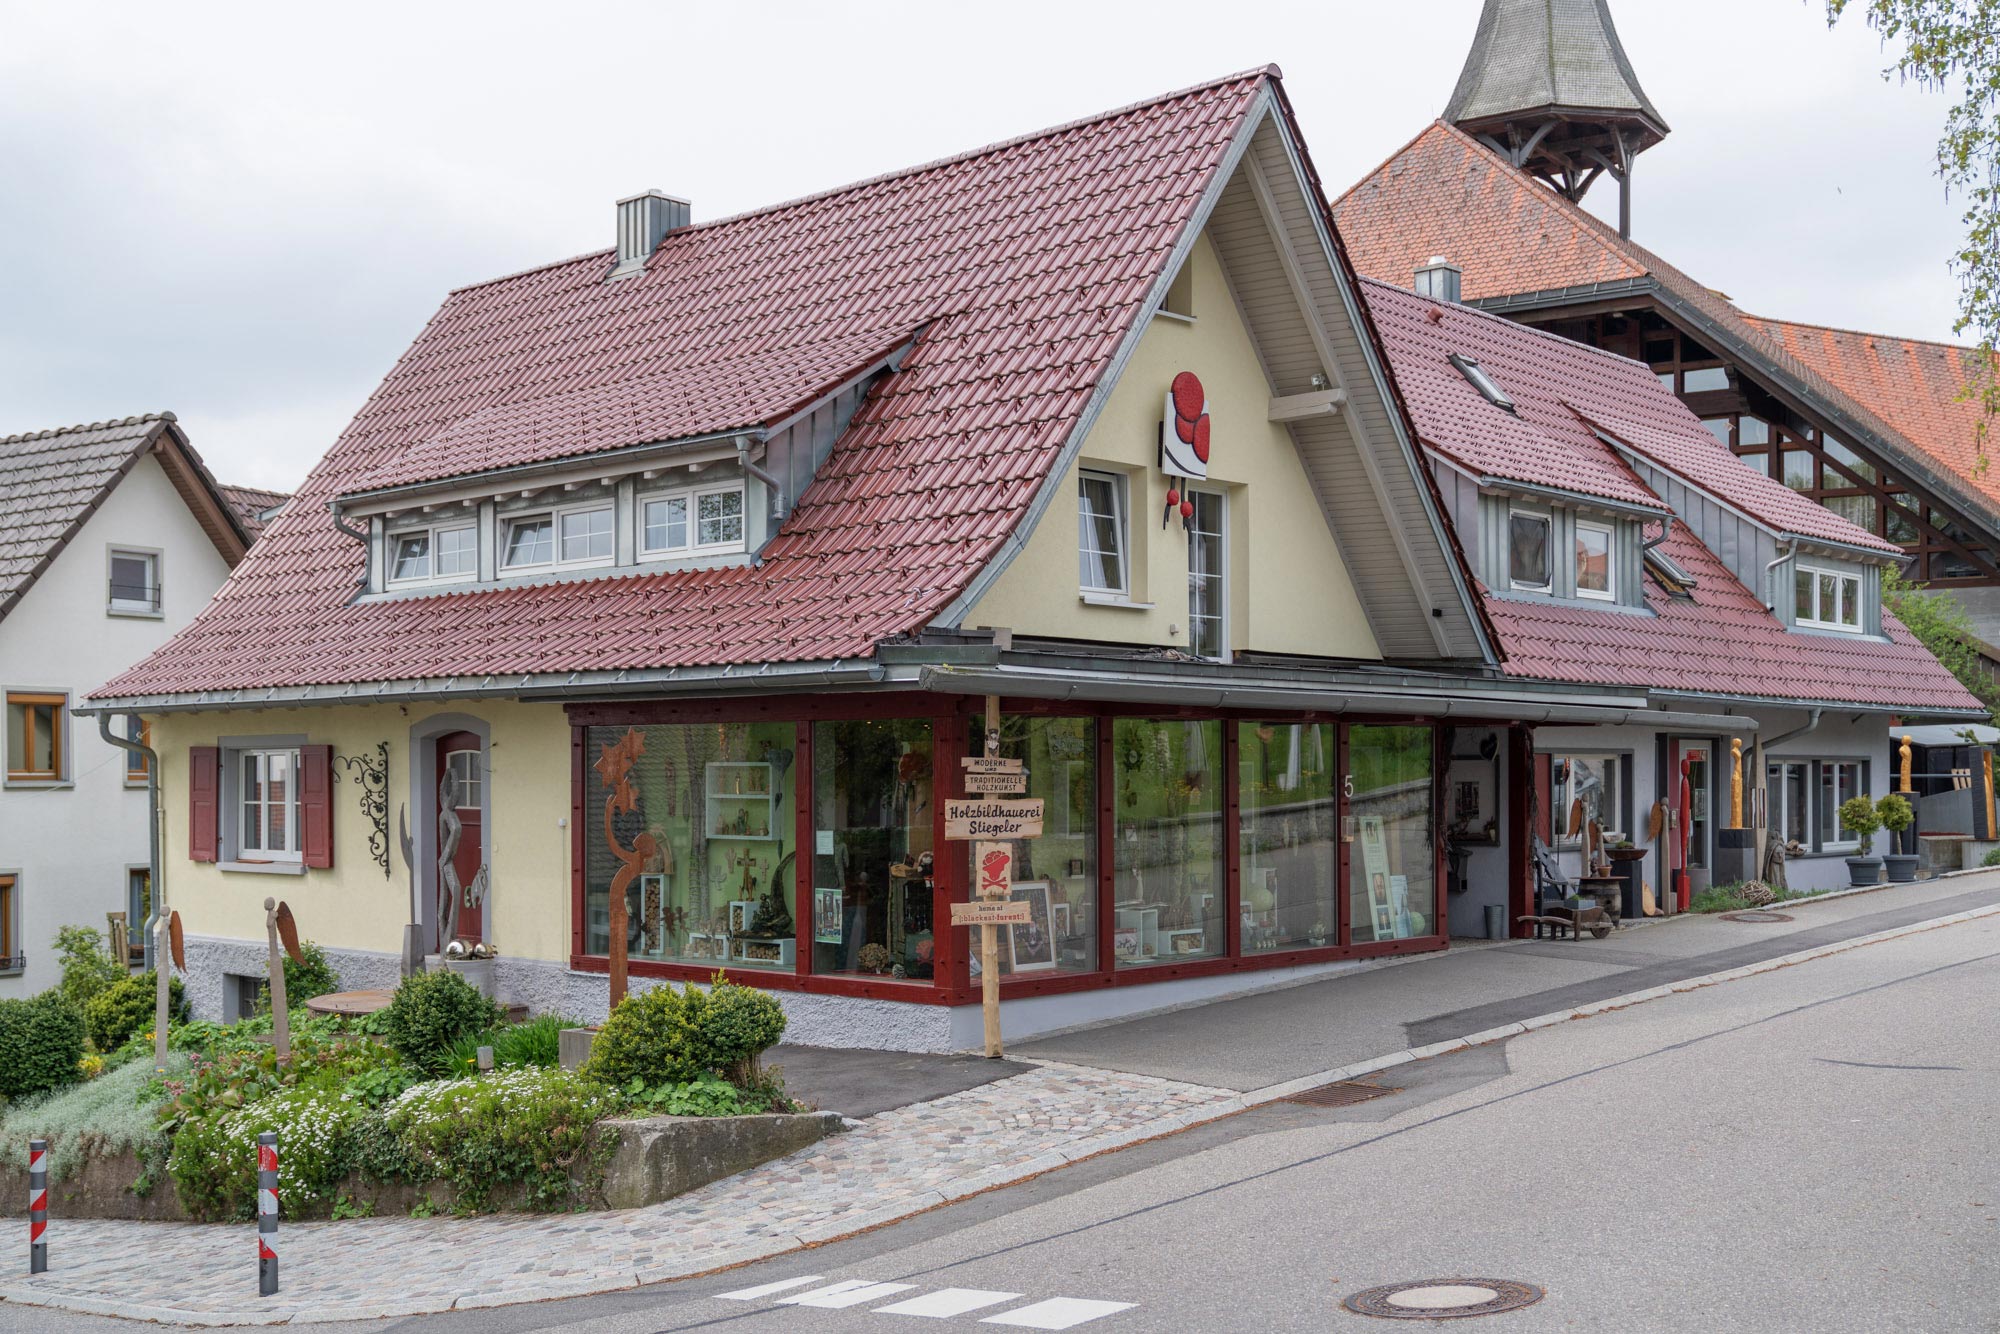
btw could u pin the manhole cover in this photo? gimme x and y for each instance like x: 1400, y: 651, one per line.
x: 1755, y: 915
x: 1443, y: 1298
x: 1343, y: 1094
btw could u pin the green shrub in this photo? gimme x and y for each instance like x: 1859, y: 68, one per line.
x: 109, y: 1115
x: 527, y: 1126
x: 41, y: 1044
x: 433, y: 1011
x: 738, y: 1026
x: 127, y: 1007
x: 1991, y: 859
x: 234, y: 1077
x: 87, y: 967
x: 654, y: 1036
x: 1858, y: 816
x: 303, y: 981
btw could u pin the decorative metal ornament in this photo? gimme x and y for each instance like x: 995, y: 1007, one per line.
x: 454, y: 949
x: 373, y: 776
x: 175, y: 948
x: 288, y: 933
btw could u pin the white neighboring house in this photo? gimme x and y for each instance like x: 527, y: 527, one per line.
x: 113, y: 536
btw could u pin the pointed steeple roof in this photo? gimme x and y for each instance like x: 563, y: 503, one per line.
x: 1548, y: 83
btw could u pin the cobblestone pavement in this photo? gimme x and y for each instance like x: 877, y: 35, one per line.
x: 892, y: 1165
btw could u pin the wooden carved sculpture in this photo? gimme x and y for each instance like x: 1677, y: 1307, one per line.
x: 281, y: 1028
x: 614, y: 767
x: 1904, y: 750
x: 1736, y: 782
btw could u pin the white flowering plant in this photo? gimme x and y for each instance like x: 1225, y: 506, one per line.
x: 528, y: 1126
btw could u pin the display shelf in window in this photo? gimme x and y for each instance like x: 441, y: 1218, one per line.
x: 741, y: 803
x: 762, y: 952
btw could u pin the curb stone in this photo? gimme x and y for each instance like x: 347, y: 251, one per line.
x: 836, y: 1229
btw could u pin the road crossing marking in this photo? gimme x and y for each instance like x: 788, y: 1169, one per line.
x: 767, y: 1289
x: 948, y: 1302
x: 849, y: 1292
x: 1057, y: 1313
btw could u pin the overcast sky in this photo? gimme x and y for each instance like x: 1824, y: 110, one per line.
x: 245, y: 213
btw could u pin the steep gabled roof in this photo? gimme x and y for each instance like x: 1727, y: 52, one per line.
x: 1025, y: 266
x: 1719, y: 641
x: 252, y: 504
x: 52, y: 481
x: 1522, y: 246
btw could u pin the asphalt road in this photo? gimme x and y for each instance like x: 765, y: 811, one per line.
x: 1805, y: 1150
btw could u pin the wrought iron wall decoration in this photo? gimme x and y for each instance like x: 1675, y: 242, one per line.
x: 373, y: 776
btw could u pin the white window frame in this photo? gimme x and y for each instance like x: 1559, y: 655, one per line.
x: 693, y: 546
x: 555, y: 516
x: 1847, y: 585
x: 1121, y: 512
x: 1221, y: 576
x: 116, y: 606
x: 1548, y: 522
x: 245, y: 850
x: 1610, y: 592
x: 1844, y: 840
x: 431, y: 533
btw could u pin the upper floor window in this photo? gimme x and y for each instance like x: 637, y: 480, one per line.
x: 139, y: 730
x: 134, y: 582
x: 1826, y: 599
x: 37, y: 740
x: 1101, y: 532
x: 583, y: 535
x: 697, y: 521
x: 268, y: 819
x: 434, y: 553
x: 1596, y: 575
x: 1528, y: 551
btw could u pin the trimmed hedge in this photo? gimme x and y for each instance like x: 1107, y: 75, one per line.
x: 431, y: 1013
x: 663, y: 1036
x: 41, y: 1045
x: 126, y: 1007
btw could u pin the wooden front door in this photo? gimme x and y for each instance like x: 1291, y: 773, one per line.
x: 462, y: 760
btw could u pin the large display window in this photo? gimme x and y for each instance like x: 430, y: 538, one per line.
x: 873, y: 861
x: 1392, y: 869
x: 1288, y: 842
x: 701, y: 842
x: 1056, y: 874
x: 1167, y: 842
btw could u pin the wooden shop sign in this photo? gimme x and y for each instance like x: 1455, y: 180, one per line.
x: 1010, y: 785
x: 998, y: 818
x: 992, y: 912
x: 990, y: 764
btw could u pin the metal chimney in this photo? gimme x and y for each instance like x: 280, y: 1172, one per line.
x: 642, y: 221
x: 1438, y: 280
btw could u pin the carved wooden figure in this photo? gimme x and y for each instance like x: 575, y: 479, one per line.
x: 613, y: 766
x: 1904, y: 751
x: 1735, y: 782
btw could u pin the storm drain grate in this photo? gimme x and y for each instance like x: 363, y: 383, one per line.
x: 1343, y: 1094
x: 1443, y: 1298
x: 1755, y: 915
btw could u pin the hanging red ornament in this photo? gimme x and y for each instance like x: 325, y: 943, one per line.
x: 1187, y: 509
x: 1173, y: 497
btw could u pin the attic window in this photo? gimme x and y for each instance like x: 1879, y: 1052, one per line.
x: 1179, y: 301
x: 1476, y: 376
x: 1673, y: 580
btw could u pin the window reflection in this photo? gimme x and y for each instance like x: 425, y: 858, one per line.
x: 1168, y: 841
x: 1289, y: 855
x: 1392, y: 868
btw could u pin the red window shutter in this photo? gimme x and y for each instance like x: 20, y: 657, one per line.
x: 316, y: 805
x: 1545, y: 792
x: 204, y: 802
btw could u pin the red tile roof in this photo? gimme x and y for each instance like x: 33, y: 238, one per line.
x: 1720, y: 642
x: 1917, y: 386
x: 1025, y: 264
x: 251, y: 503
x: 1445, y: 193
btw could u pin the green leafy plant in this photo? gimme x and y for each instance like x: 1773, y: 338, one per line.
x: 373, y: 1088
x: 526, y: 1126
x: 343, y: 1207
x: 303, y: 981
x: 655, y: 1036
x: 214, y: 1161
x: 1897, y: 815
x: 433, y: 1011
x: 41, y: 1044
x: 113, y: 1114
x: 1992, y: 858
x: 87, y: 967
x: 533, y: 1043
x: 127, y: 1007
x: 1860, y: 818
x: 739, y: 1025
x: 707, y: 1096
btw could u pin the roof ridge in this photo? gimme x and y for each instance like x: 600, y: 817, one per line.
x: 1514, y: 327
x: 1381, y: 166
x: 140, y: 420
x: 1858, y: 333
x: 1263, y: 71
x: 1600, y: 230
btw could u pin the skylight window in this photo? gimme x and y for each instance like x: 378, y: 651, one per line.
x: 1489, y: 389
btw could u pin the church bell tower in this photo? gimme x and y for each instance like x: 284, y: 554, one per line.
x: 1548, y: 85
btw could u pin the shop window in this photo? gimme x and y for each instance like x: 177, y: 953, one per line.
x: 1587, y: 788
x: 1787, y: 798
x: 1528, y: 551
x: 1168, y: 842
x: 873, y: 784
x: 1838, y: 780
x: 37, y: 738
x: 1595, y: 576
x: 709, y: 831
x: 1287, y: 843
x: 1056, y: 874
x: 1101, y: 532
x: 1392, y: 868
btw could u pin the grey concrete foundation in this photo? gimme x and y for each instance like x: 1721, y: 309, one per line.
x: 660, y: 1157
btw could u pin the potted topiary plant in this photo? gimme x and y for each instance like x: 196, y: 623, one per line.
x: 1897, y: 816
x: 1858, y: 817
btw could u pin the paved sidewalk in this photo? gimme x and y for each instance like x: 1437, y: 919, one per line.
x: 1093, y: 1091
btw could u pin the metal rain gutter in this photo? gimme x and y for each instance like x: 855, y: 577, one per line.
x: 155, y: 870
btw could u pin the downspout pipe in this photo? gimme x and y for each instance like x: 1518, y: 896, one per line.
x: 1770, y: 603
x: 778, y: 507
x: 1666, y: 531
x: 364, y: 537
x: 153, y: 869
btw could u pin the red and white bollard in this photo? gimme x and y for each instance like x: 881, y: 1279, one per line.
x: 267, y: 1213
x: 38, y: 1206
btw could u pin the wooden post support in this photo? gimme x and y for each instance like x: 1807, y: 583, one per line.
x: 281, y: 1032
x: 165, y: 959
x: 1905, y: 750
x: 1736, y: 782
x: 989, y: 938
